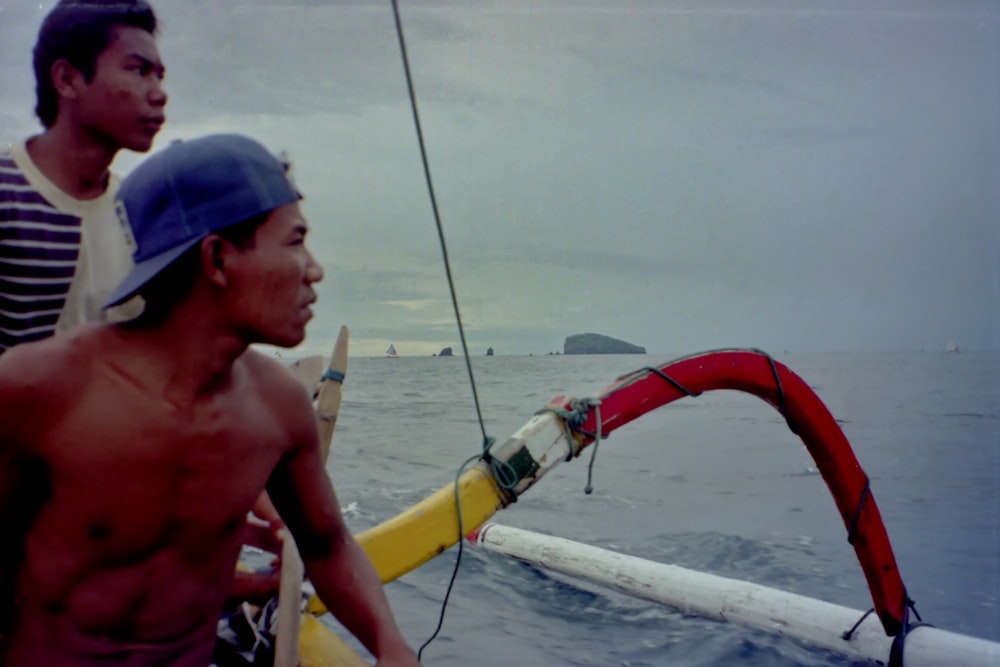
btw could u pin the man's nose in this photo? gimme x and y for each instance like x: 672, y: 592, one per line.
x: 314, y: 272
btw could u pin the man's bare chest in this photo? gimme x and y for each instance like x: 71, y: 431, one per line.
x: 118, y: 466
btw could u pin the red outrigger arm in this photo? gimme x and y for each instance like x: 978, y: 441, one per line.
x: 756, y: 373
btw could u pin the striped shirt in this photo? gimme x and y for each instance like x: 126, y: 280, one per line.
x: 60, y: 257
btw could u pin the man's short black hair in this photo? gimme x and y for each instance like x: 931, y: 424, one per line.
x: 175, y: 281
x: 78, y: 31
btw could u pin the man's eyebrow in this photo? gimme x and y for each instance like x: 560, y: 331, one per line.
x: 146, y: 62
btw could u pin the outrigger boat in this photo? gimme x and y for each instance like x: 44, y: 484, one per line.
x: 563, y: 429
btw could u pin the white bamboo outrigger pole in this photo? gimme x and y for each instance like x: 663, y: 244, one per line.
x: 802, y: 618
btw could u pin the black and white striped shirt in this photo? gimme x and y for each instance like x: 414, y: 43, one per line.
x: 39, y: 248
x: 60, y: 257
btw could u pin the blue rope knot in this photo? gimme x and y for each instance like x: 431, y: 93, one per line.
x: 573, y: 419
x: 576, y: 415
x: 504, y: 473
x: 579, y: 411
x: 331, y: 374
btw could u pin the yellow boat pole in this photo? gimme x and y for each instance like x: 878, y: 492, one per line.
x: 429, y: 527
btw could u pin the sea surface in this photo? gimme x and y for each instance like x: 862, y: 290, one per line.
x: 715, y: 483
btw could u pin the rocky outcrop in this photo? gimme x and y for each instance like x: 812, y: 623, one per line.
x: 446, y: 352
x: 591, y: 343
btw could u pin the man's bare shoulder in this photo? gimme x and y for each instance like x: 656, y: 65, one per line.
x: 42, y: 377
x: 278, y: 383
x: 285, y: 396
x: 49, y: 362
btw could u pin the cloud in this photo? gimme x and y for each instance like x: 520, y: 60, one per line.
x: 681, y: 176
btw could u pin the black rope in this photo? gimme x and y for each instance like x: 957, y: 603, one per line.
x: 899, y: 641
x: 850, y: 633
x: 437, y: 215
x: 501, y: 473
x: 852, y: 531
x: 506, y: 477
x: 674, y: 383
x: 504, y: 473
x: 458, y: 559
x: 782, y: 397
x: 589, y: 489
x: 573, y: 420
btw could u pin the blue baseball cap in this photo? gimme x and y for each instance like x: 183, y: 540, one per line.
x: 183, y: 193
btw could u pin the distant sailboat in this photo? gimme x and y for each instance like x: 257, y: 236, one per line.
x: 391, y: 352
x: 952, y: 346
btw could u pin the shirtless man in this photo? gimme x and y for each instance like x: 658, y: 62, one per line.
x: 130, y: 453
x: 99, y: 84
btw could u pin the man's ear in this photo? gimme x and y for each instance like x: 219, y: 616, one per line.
x: 66, y: 79
x: 215, y: 252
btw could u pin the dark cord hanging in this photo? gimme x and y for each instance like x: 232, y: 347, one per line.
x: 487, y: 441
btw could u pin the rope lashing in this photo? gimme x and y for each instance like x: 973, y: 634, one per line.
x: 782, y: 398
x: 331, y: 374
x: 850, y: 633
x: 573, y: 418
x: 899, y: 642
x: 852, y: 531
x: 672, y: 382
x: 504, y: 474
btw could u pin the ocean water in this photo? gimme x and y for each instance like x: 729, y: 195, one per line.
x: 715, y: 483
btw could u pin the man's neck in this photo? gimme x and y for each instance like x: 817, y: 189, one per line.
x: 77, y: 165
x: 185, y: 357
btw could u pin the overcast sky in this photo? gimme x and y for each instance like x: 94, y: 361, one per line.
x: 791, y: 175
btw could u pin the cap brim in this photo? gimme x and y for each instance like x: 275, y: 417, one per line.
x: 145, y: 271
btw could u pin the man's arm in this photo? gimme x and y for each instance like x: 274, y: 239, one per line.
x: 336, y: 564
x: 254, y: 587
x: 10, y: 549
x: 26, y: 397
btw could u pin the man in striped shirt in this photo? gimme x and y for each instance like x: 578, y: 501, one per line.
x: 99, y: 89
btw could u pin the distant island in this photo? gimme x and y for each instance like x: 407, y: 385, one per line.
x: 591, y: 343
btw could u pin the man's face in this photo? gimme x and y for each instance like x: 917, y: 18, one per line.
x: 272, y: 279
x: 123, y: 104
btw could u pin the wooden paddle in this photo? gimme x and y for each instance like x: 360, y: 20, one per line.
x: 329, y: 394
x: 309, y: 371
x: 286, y: 645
